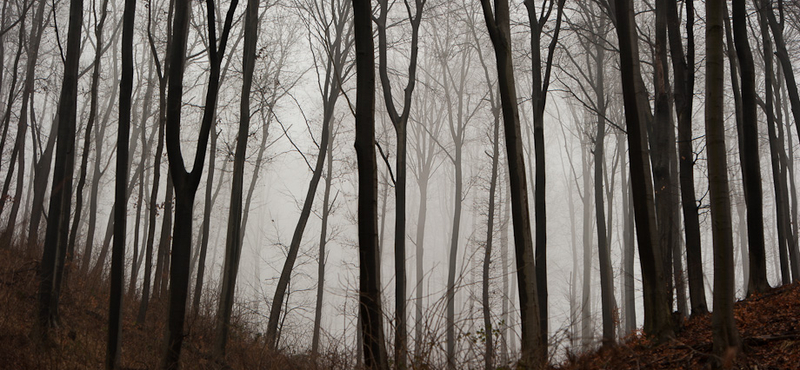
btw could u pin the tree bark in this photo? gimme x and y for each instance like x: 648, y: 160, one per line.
x: 724, y: 330
x: 534, y: 350
x: 185, y: 182
x: 233, y: 244
x: 369, y: 256
x: 120, y: 192
x: 748, y: 145
x: 60, y: 196
x: 657, y: 321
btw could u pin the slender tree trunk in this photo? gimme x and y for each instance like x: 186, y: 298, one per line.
x: 323, y: 240
x: 294, y: 247
x: 120, y: 191
x: 724, y: 330
x: 233, y: 245
x: 683, y: 69
x: 534, y: 350
x: 628, y: 252
x: 587, y: 335
x: 751, y: 167
x: 60, y: 198
x: 206, y: 227
x: 487, y: 316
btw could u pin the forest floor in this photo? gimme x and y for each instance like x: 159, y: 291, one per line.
x: 769, y: 325
x: 79, y: 341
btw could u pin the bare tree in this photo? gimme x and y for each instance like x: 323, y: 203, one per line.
x: 534, y: 348
x: 60, y: 194
x: 748, y: 145
x: 185, y: 182
x: 400, y: 123
x: 683, y: 70
x: 369, y: 257
x: 724, y: 329
x: 120, y: 196
x: 657, y: 320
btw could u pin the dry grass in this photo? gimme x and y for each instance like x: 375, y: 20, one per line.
x: 79, y: 342
x: 769, y: 325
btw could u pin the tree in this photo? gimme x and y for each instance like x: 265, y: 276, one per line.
x: 683, y: 70
x: 534, y: 350
x: 538, y: 99
x: 233, y: 244
x: 60, y: 194
x: 337, y: 54
x: 400, y: 123
x: 725, y: 335
x: 748, y: 145
x: 657, y: 320
x: 185, y: 182
x: 368, y: 254
x: 120, y: 187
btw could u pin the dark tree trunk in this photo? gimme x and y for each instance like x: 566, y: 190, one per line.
x: 185, y: 182
x: 657, y: 321
x: 724, y: 329
x: 534, y: 348
x: 60, y: 195
x: 235, y: 232
x: 120, y: 192
x: 400, y: 123
x: 369, y: 257
x: 683, y: 69
x: 748, y: 145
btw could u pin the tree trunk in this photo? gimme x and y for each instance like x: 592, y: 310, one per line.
x: 323, y: 240
x: 120, y: 192
x: 60, y: 198
x: 186, y: 183
x: 751, y: 167
x: 683, y: 69
x: 724, y: 330
x: 233, y: 245
x: 487, y: 316
x: 656, y: 305
x: 587, y: 335
x: 369, y: 256
x: 534, y: 350
x: 629, y: 297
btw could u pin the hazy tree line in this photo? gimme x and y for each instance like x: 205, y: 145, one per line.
x: 457, y: 110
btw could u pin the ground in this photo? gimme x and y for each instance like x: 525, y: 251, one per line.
x: 769, y: 325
